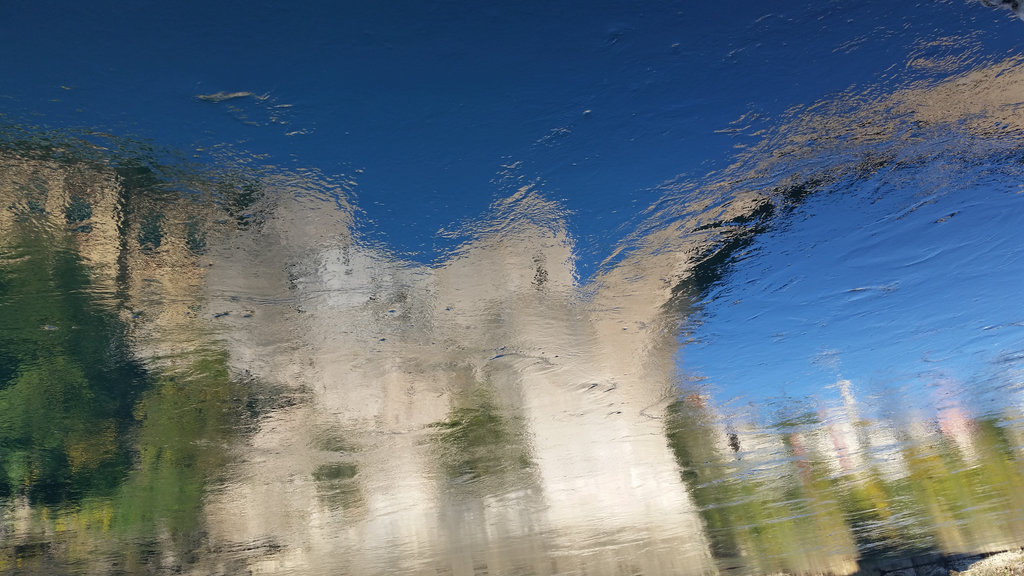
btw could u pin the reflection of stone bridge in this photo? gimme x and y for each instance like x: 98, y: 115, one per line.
x: 485, y: 412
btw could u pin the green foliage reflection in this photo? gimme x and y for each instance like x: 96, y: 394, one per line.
x: 775, y: 521
x: 811, y: 496
x: 481, y: 442
x: 186, y: 423
x: 103, y: 462
x: 67, y: 381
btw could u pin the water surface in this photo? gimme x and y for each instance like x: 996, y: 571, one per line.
x: 604, y: 319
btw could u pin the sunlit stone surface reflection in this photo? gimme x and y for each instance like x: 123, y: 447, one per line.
x: 478, y: 413
x: 232, y: 380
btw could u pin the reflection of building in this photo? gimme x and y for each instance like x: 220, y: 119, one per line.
x: 135, y: 245
x: 136, y: 253
x: 59, y: 198
x: 71, y: 271
x: 386, y: 361
x: 388, y: 349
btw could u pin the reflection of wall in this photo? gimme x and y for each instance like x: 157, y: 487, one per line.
x: 45, y: 192
x: 387, y: 349
x: 602, y: 461
x: 153, y: 287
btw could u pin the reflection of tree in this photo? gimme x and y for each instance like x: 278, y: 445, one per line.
x: 106, y: 461
x: 152, y: 518
x: 68, y: 381
x: 767, y: 517
x: 780, y: 509
x: 694, y: 439
x: 967, y: 504
x: 480, y: 443
x: 186, y: 421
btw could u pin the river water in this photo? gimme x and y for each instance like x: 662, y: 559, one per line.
x: 607, y: 290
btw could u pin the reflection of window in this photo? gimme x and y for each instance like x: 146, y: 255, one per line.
x: 195, y: 237
x: 34, y: 192
x: 239, y: 198
x: 151, y: 232
x: 78, y: 210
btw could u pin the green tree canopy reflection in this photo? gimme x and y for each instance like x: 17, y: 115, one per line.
x: 67, y: 382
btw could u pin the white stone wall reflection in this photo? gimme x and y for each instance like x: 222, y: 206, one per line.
x: 384, y: 350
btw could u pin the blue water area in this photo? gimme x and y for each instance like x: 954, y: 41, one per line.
x: 427, y: 105
x: 603, y: 288
x: 892, y: 283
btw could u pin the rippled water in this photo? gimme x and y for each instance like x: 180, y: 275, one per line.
x: 800, y: 351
